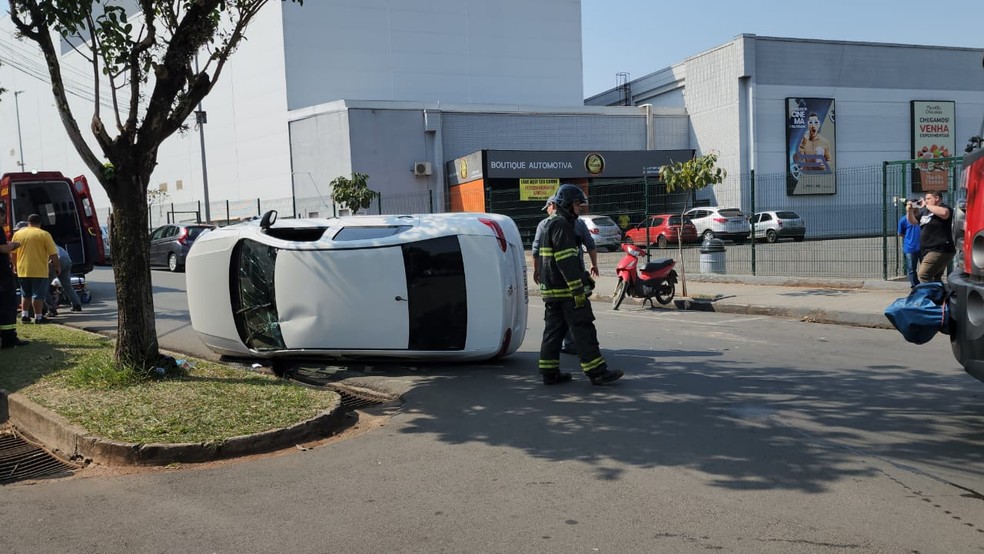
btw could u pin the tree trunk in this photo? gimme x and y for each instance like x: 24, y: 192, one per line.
x: 136, y: 344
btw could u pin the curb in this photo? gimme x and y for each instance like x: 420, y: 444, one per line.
x: 73, y: 443
x: 812, y: 315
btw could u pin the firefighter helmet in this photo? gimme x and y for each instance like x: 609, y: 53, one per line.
x: 568, y: 194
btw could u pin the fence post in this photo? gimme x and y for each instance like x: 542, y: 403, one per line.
x: 198, y: 215
x: 379, y: 204
x: 645, y: 214
x: 258, y: 208
x: 430, y: 199
x: 885, y: 221
x: 228, y: 222
x: 751, y: 225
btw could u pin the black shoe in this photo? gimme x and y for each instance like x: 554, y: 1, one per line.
x: 52, y: 313
x: 605, y: 376
x: 25, y: 319
x: 15, y: 343
x: 568, y: 350
x: 76, y: 308
x: 41, y: 320
x: 556, y: 378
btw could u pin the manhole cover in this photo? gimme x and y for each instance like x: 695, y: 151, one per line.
x: 21, y: 460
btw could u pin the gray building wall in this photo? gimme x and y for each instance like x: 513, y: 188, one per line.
x: 735, y: 97
x: 386, y: 139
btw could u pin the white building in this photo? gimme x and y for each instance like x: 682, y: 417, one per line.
x: 736, y: 97
x: 297, y: 57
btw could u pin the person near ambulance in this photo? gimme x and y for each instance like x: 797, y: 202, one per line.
x: 566, y: 303
x: 8, y: 290
x: 32, y: 261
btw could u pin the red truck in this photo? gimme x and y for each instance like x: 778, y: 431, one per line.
x: 66, y: 210
x: 966, y: 281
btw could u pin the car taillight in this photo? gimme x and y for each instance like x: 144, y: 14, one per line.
x: 595, y: 231
x: 183, y: 237
x: 497, y: 229
x: 779, y: 223
x: 720, y: 220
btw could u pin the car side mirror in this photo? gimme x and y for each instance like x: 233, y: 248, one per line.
x: 268, y: 219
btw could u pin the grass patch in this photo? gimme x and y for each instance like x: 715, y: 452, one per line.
x: 72, y: 373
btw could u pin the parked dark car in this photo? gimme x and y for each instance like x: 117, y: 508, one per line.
x: 169, y: 244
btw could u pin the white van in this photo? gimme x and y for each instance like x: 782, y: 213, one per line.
x: 446, y: 286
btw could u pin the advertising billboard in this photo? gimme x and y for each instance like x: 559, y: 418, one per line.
x: 811, y: 146
x: 932, y: 138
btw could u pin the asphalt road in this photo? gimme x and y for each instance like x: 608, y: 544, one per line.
x: 732, y: 433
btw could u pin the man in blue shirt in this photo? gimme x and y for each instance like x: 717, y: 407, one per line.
x: 910, y: 248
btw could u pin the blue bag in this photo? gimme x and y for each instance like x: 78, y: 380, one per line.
x: 922, y: 314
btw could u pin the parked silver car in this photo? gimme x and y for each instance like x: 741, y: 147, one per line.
x: 605, y: 232
x: 776, y: 225
x: 717, y: 222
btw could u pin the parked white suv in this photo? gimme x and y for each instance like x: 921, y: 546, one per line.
x: 722, y: 223
x: 605, y: 232
x: 776, y: 225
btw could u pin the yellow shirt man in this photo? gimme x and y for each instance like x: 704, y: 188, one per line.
x: 37, y: 248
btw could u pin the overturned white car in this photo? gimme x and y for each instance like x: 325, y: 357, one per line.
x: 423, y: 287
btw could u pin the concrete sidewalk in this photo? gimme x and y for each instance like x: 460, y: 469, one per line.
x: 839, y: 301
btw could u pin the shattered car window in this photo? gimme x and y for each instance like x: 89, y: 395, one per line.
x: 254, y: 299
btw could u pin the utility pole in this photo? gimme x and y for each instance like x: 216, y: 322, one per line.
x: 201, y: 119
x: 20, y: 142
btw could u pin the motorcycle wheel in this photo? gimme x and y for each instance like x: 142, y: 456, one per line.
x: 665, y: 292
x: 620, y: 289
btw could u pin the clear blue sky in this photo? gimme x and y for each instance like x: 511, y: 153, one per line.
x: 643, y: 36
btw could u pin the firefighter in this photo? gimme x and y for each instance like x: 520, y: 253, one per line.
x: 565, y: 298
x: 9, y: 296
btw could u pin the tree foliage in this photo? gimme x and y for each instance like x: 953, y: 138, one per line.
x: 146, y: 82
x: 691, y: 175
x: 353, y: 193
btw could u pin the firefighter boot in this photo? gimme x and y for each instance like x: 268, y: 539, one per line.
x: 556, y: 378
x: 604, y: 376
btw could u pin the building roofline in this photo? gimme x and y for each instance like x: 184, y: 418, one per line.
x: 348, y: 104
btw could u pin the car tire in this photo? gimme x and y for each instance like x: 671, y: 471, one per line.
x: 708, y: 234
x: 771, y: 236
x: 172, y: 262
x: 620, y: 290
x: 662, y: 242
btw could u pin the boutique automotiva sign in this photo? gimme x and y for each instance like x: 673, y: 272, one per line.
x: 515, y: 164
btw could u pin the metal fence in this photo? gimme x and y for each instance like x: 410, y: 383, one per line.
x: 849, y: 234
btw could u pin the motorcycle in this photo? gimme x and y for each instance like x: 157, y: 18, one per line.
x: 656, y: 280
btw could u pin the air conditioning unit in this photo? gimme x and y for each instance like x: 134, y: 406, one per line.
x: 421, y: 169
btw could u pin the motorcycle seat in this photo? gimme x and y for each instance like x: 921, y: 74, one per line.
x: 657, y: 265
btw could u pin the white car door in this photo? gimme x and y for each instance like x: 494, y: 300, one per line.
x: 343, y: 299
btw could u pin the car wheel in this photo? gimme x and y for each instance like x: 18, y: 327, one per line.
x: 619, y: 294
x: 172, y: 262
x: 771, y: 236
x: 708, y: 234
x: 662, y: 242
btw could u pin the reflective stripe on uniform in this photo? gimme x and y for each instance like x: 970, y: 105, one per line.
x: 550, y: 364
x: 593, y: 364
x: 565, y: 253
x: 10, y: 327
x: 556, y: 293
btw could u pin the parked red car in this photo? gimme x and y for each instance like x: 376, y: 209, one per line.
x: 664, y: 229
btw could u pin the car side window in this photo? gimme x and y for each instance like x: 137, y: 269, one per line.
x: 253, y: 296
x: 656, y: 222
x: 766, y: 217
x: 157, y: 233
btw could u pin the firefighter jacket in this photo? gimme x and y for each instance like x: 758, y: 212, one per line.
x: 560, y: 266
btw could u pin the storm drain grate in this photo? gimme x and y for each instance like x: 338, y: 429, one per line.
x: 21, y: 460
x: 356, y: 400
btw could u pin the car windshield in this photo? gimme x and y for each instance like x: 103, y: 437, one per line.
x: 675, y: 220
x: 731, y: 212
x: 787, y: 215
x: 254, y: 301
x: 603, y: 221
